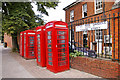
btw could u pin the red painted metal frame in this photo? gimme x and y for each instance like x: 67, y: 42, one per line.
x: 21, y: 43
x: 41, y: 57
x: 53, y: 64
x: 27, y: 50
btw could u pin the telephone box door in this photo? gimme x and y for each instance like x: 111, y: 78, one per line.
x: 62, y: 49
x: 31, y: 46
x: 21, y: 44
x: 49, y: 50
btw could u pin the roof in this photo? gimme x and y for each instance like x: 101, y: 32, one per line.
x: 72, y: 4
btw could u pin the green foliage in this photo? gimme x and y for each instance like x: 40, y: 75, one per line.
x: 75, y: 54
x: 19, y: 16
x: 14, y: 49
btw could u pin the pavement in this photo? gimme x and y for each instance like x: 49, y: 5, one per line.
x: 15, y: 66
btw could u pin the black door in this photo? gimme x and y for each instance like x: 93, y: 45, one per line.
x: 84, y: 40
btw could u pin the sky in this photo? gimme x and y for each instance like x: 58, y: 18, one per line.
x: 55, y: 14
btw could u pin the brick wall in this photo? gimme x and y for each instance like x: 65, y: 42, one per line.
x: 90, y: 10
x: 105, y: 32
x: 8, y: 39
x: 102, y: 68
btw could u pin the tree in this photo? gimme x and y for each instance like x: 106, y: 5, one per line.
x: 19, y: 16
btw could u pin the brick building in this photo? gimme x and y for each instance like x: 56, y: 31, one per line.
x: 103, y: 39
x: 95, y: 25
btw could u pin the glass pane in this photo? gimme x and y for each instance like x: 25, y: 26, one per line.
x: 38, y: 49
x: 38, y: 42
x: 49, y: 46
x: 61, y: 37
x: 49, y: 54
x: 38, y: 39
x: 62, y: 63
x: 60, y: 46
x: 49, y: 32
x: 61, y: 41
x: 38, y: 35
x: 50, y: 63
x: 38, y: 45
x: 38, y: 60
x: 49, y: 41
x: 38, y: 52
x: 61, y: 32
x: 49, y: 37
x: 49, y: 58
x: 38, y: 56
x: 61, y: 50
x: 49, y: 50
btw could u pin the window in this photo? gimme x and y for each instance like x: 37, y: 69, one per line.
x: 98, y: 6
x: 98, y: 35
x: 72, y: 15
x: 84, y: 10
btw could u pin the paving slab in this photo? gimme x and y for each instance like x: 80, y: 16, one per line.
x: 15, y: 66
x: 11, y: 68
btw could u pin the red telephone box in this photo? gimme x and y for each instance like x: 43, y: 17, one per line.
x: 40, y: 46
x: 57, y: 47
x: 29, y: 44
x: 21, y: 43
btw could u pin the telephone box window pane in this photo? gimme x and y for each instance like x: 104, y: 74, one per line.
x: 31, y: 42
x: 49, y: 58
x: 50, y: 63
x: 38, y: 39
x: 32, y: 45
x: 61, y: 41
x: 61, y: 50
x: 61, y: 32
x: 38, y: 56
x: 38, y: 49
x: 60, y: 46
x: 38, y: 60
x: 38, y: 45
x: 49, y: 46
x: 61, y: 37
x: 38, y: 42
x: 38, y: 35
x: 31, y: 39
x: 38, y: 52
x: 49, y: 54
x: 49, y: 32
x: 49, y: 50
x: 49, y: 41
x: 61, y: 54
x: 62, y: 63
x: 49, y: 37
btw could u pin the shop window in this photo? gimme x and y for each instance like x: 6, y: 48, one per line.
x: 84, y: 10
x: 98, y: 35
x: 72, y: 15
x: 98, y: 6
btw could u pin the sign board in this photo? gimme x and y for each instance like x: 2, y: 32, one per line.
x: 60, y: 25
x: 38, y: 30
x: 31, y: 33
x: 92, y: 26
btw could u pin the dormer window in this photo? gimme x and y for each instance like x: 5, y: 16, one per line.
x: 72, y: 15
x: 84, y: 10
x: 98, y: 6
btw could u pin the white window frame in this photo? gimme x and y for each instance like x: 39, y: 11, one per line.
x: 71, y: 15
x: 100, y: 9
x: 84, y: 10
x: 100, y: 35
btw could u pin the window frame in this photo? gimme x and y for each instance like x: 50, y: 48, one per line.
x: 83, y: 11
x: 71, y: 16
x: 99, y: 9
